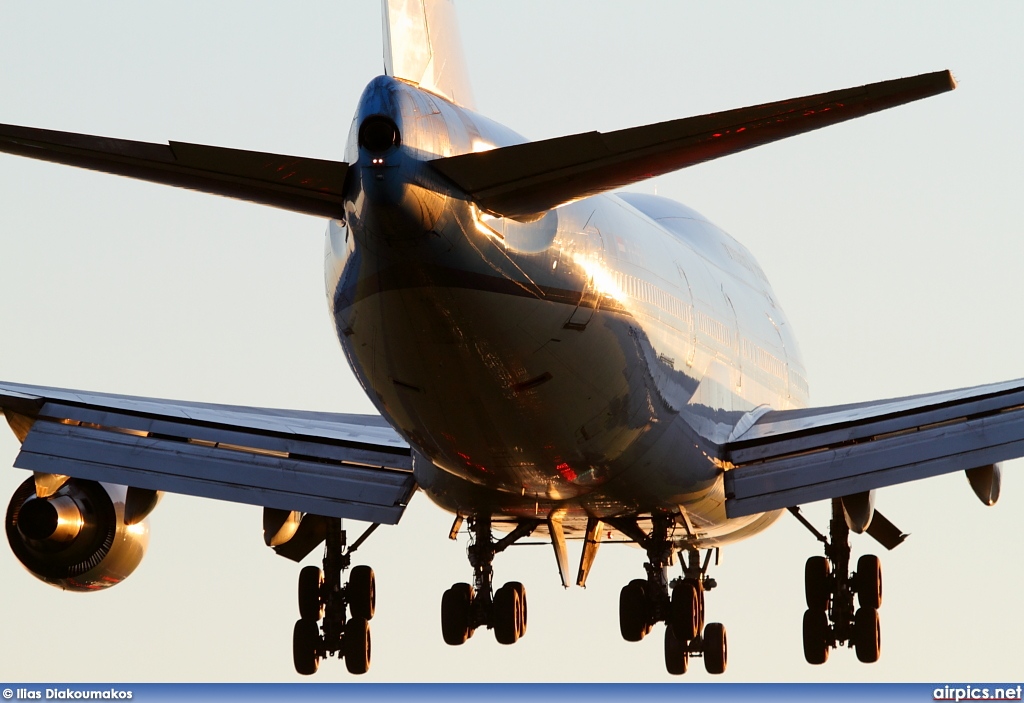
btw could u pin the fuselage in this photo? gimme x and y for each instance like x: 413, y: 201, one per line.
x: 588, y: 363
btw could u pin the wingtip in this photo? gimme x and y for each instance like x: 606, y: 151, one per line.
x: 952, y: 80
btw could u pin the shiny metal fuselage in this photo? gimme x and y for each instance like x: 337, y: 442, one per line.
x: 589, y: 363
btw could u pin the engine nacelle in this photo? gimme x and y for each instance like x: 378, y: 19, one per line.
x: 76, y: 538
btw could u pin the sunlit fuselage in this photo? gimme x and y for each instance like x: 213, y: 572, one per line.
x: 589, y: 362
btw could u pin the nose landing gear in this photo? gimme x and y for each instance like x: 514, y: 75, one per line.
x: 324, y: 596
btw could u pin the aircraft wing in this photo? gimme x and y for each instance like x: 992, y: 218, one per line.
x: 525, y: 180
x: 334, y: 465
x: 299, y: 184
x: 791, y: 457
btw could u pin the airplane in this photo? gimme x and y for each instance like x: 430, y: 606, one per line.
x: 582, y: 317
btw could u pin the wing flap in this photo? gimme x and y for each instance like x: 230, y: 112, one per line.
x: 524, y: 180
x: 300, y: 184
x: 792, y: 458
x: 360, y: 493
x: 346, y: 466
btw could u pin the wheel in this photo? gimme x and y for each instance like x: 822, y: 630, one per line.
x: 362, y: 592
x: 677, y: 658
x: 507, y: 616
x: 521, y: 590
x: 816, y: 583
x: 684, y: 612
x: 467, y: 591
x: 869, y: 582
x: 306, y: 647
x: 815, y: 637
x: 310, y: 607
x: 456, y: 611
x: 867, y: 635
x: 357, y: 645
x: 716, y: 649
x: 633, y: 607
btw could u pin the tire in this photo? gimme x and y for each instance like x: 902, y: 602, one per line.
x: 357, y: 646
x: 716, y: 648
x: 867, y: 635
x: 633, y: 614
x: 684, y: 612
x: 506, y: 614
x: 310, y: 607
x: 869, y: 582
x: 816, y: 642
x: 700, y: 604
x: 362, y: 592
x: 306, y: 647
x: 817, y: 592
x: 521, y: 590
x: 456, y: 610
x: 677, y: 658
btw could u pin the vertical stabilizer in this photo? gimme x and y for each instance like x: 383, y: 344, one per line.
x: 422, y: 45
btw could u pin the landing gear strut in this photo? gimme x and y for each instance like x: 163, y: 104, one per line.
x: 831, y: 620
x: 465, y: 608
x: 324, y: 596
x: 679, y: 603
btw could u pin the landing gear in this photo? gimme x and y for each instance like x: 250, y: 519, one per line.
x: 464, y: 608
x: 677, y: 656
x: 679, y: 603
x: 507, y: 615
x: 816, y: 636
x: 357, y: 645
x: 634, y: 611
x: 830, y: 620
x: 306, y: 647
x: 457, y: 614
x: 323, y: 629
x: 716, y: 651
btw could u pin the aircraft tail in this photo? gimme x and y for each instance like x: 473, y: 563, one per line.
x: 525, y: 180
x: 422, y: 46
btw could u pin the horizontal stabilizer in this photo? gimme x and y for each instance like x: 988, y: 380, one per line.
x: 524, y: 180
x: 299, y: 184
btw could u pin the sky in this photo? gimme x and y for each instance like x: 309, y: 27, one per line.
x: 893, y: 243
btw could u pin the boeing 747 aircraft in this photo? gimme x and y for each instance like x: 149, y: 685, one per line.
x: 550, y: 360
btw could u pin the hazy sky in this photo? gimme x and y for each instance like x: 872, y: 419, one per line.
x: 893, y: 242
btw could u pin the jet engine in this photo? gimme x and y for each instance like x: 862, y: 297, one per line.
x: 76, y: 537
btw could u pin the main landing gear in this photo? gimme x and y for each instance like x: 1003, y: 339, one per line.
x: 831, y: 620
x: 323, y: 629
x: 679, y: 603
x: 465, y: 608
